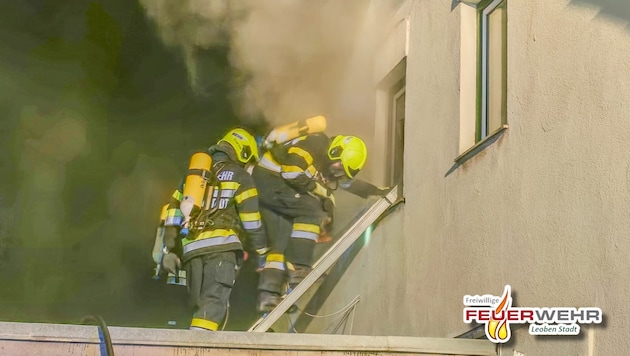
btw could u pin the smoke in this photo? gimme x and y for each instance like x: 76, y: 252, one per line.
x: 65, y: 257
x: 292, y: 59
x: 96, y: 120
x: 51, y: 141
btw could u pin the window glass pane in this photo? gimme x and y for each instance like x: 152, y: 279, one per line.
x: 400, y: 107
x: 399, y: 137
x: 496, y: 90
x: 396, y: 136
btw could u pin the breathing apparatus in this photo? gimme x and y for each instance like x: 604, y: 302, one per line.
x: 294, y: 130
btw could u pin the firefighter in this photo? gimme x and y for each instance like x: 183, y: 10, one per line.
x: 297, y: 202
x: 209, y: 246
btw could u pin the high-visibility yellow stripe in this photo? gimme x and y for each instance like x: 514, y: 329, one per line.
x: 230, y: 185
x: 306, y: 227
x: 193, y: 245
x: 312, y: 170
x: 291, y: 169
x: 249, y: 216
x: 275, y: 257
x: 204, y: 324
x: 214, y: 233
x: 269, y: 156
x: 209, y: 235
x: 174, y: 217
x: 177, y: 195
x: 173, y: 212
x: 302, y: 153
x: 246, y: 195
x: 269, y: 163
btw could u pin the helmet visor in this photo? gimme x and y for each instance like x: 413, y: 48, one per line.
x: 335, y: 152
x: 246, y: 154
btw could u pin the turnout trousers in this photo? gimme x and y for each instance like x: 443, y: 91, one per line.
x: 293, y: 223
x: 210, y: 281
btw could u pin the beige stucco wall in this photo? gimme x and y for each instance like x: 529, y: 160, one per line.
x: 545, y: 209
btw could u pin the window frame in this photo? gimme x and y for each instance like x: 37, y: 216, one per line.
x: 390, y: 84
x: 484, y: 9
x: 396, y: 91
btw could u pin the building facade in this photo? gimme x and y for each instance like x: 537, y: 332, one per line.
x: 508, y: 126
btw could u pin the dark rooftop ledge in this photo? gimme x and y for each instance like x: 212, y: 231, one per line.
x: 82, y: 334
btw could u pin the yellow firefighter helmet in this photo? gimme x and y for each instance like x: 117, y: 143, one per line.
x: 244, y: 145
x: 348, y: 154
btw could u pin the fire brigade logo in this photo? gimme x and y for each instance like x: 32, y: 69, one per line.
x: 497, y: 313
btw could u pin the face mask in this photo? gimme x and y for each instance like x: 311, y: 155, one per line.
x: 336, y: 170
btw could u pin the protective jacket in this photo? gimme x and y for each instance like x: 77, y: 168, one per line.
x: 299, y: 161
x: 303, y: 162
x: 237, y: 199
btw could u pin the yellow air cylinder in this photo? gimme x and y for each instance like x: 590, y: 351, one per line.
x: 296, y: 129
x: 195, y: 185
x: 163, y: 214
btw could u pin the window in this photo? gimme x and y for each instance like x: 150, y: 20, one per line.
x: 483, y: 75
x: 396, y: 134
x: 390, y: 127
x: 492, y: 110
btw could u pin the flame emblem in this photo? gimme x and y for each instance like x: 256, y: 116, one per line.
x: 498, y: 331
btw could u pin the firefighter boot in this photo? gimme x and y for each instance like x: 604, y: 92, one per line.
x: 296, y: 274
x: 267, y: 301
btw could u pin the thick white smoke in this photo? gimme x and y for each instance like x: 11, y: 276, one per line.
x: 293, y: 58
x: 296, y: 58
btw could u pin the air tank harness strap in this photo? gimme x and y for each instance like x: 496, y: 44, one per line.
x: 200, y: 172
x: 221, y: 219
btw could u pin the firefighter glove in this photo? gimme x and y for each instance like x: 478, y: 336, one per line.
x: 171, y: 263
x: 324, y: 237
